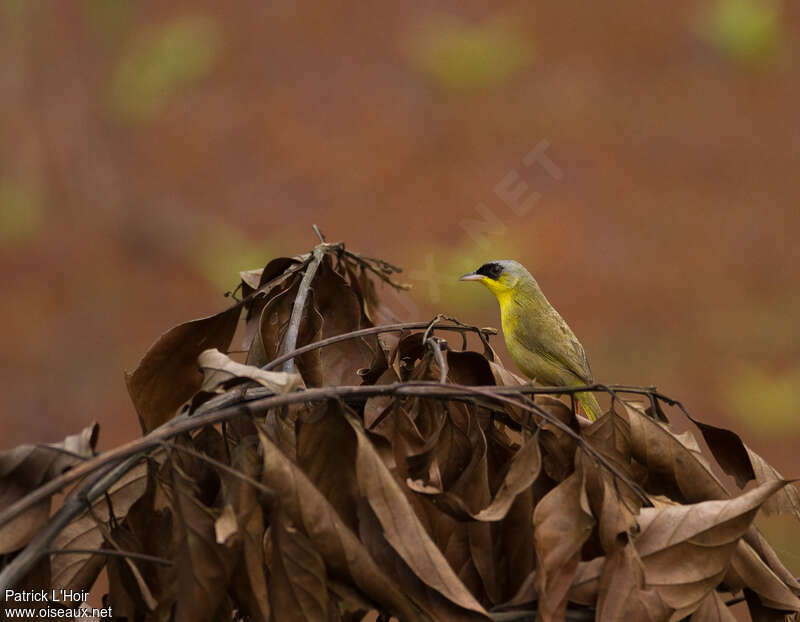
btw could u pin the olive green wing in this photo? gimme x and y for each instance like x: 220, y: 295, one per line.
x: 555, y: 341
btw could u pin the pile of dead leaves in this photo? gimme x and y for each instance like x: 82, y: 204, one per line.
x: 398, y: 471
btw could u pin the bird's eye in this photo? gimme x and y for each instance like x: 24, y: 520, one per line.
x: 490, y: 270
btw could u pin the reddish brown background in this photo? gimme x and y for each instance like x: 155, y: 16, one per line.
x: 150, y: 150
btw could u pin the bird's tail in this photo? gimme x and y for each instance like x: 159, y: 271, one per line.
x: 590, y: 405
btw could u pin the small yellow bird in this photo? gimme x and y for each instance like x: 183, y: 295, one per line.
x: 539, y: 340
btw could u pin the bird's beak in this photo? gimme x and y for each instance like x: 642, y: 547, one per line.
x: 472, y: 276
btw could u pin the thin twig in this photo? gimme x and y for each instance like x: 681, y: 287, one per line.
x: 268, y: 492
x: 436, y: 346
x: 734, y: 601
x: 113, y: 553
x: 379, y: 268
x: 321, y: 237
x: 738, y: 599
x: 61, y: 450
x: 431, y: 325
x: 375, y: 330
x: 299, y: 304
x: 301, y: 263
x: 385, y: 265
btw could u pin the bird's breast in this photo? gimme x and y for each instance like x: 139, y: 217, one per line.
x: 525, y: 350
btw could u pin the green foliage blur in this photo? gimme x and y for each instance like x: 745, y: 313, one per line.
x: 462, y: 56
x: 220, y: 251
x: 746, y: 31
x: 160, y: 62
x: 21, y: 212
x: 763, y: 400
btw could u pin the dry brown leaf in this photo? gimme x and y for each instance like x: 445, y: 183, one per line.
x: 298, y: 586
x: 675, y: 465
x: 25, y: 468
x: 346, y: 602
x: 713, y: 609
x: 219, y: 370
x: 558, y: 447
x: 258, y: 286
x: 435, y: 605
x: 437, y: 461
x: 123, y: 593
x: 474, y: 369
x: 127, y: 570
x: 433, y: 441
x: 759, y: 613
x: 77, y: 571
x: 744, y: 464
x: 203, y: 566
x: 310, y: 364
x: 379, y: 364
x: 272, y: 274
x: 523, y: 470
x: 268, y: 342
x: 729, y: 451
x: 452, y: 459
x: 615, y: 581
x: 152, y: 529
x: 250, y: 280
x: 585, y: 588
x: 401, y: 526
x: 471, y: 489
x: 503, y: 377
x: 526, y: 594
x: 341, y: 312
x: 515, y: 545
x: 613, y: 502
x: 623, y: 594
x: 377, y: 408
x: 339, y: 547
x: 748, y: 570
x: 249, y: 581
x: 611, y: 436
x: 675, y: 459
x: 562, y: 522
x: 375, y: 312
x: 333, y: 308
x: 272, y: 322
x: 686, y: 549
x: 759, y: 544
x: 167, y: 375
x: 37, y: 576
x: 226, y: 526
x: 786, y: 500
x: 326, y: 452
x: 410, y: 349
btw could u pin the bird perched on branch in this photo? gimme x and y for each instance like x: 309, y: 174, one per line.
x: 539, y: 340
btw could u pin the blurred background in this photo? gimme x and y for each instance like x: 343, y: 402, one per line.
x: 641, y: 159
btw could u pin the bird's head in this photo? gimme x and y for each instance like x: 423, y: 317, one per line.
x: 501, y: 276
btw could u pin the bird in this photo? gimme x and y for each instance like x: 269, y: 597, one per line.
x: 539, y: 340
